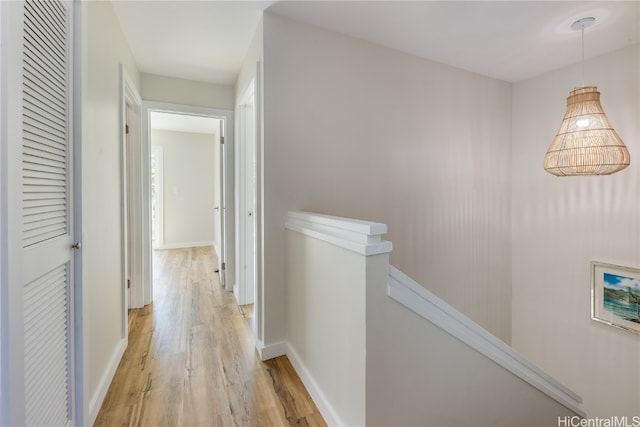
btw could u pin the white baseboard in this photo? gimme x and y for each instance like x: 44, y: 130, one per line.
x: 282, y: 348
x: 105, y: 381
x: 236, y: 296
x: 216, y: 248
x: 324, y: 406
x: 270, y: 351
x: 183, y: 245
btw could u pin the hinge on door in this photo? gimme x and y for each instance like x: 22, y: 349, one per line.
x: 222, y: 266
x: 222, y: 140
x: 126, y: 129
x: 128, y: 283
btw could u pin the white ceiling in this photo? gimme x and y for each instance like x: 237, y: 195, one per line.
x: 194, y: 40
x: 508, y: 40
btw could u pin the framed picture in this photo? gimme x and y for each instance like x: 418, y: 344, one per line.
x: 615, y: 296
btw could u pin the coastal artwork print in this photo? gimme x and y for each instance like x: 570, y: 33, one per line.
x: 616, y: 296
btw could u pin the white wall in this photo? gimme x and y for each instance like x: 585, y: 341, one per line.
x: 358, y: 130
x: 190, y: 177
x: 248, y: 68
x: 105, y: 48
x: 560, y: 225
x: 186, y: 92
x: 327, y: 322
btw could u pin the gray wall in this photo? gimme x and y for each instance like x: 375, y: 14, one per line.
x: 562, y: 224
x: 357, y: 130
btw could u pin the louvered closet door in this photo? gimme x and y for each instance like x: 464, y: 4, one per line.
x: 47, y: 213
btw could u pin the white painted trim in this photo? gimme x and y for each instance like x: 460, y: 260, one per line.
x: 247, y: 190
x: 135, y: 202
x: 415, y: 297
x: 362, y: 237
x: 283, y: 348
x: 11, y: 285
x: 81, y: 303
x: 270, y: 351
x: 3, y: 346
x: 259, y: 305
x: 105, y: 381
x: 220, y: 222
x: 250, y: 93
x: 186, y: 245
x: 322, y: 403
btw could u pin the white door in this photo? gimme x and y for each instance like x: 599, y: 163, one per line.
x: 247, y: 203
x: 137, y: 228
x: 129, y: 184
x: 47, y: 255
x: 133, y: 208
x: 250, y: 197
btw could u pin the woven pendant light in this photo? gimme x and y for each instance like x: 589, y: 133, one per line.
x: 586, y: 143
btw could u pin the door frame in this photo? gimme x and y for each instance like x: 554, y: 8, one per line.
x: 258, y: 303
x: 226, y: 259
x: 220, y: 191
x: 11, y: 290
x: 245, y: 288
x: 136, y: 265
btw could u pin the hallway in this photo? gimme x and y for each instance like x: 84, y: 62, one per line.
x: 191, y: 359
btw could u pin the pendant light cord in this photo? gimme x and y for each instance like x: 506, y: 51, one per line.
x: 582, y: 31
x: 581, y: 24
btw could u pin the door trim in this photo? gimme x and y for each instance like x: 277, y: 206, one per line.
x: 246, y: 274
x: 11, y: 291
x: 135, y: 264
x: 258, y: 297
x: 79, y: 303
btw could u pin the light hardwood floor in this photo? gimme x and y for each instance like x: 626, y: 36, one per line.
x: 191, y: 359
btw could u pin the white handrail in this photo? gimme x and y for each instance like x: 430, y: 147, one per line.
x: 415, y: 297
x: 363, y: 237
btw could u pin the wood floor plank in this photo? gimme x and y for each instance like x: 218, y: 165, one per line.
x: 191, y: 359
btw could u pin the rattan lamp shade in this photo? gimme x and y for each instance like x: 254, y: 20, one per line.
x: 586, y: 143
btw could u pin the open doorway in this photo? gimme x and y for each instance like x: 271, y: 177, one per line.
x: 187, y: 180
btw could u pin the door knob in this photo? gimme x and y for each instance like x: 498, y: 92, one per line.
x: 76, y: 246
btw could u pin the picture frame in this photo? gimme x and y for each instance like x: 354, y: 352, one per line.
x: 615, y: 296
